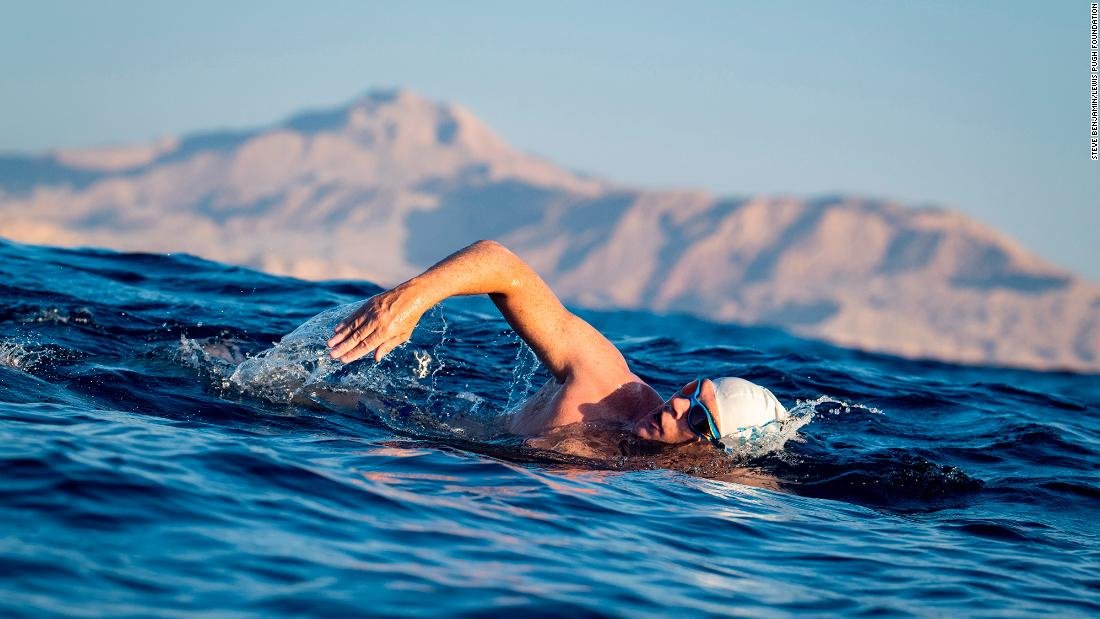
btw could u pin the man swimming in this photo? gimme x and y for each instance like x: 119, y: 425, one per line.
x: 591, y: 383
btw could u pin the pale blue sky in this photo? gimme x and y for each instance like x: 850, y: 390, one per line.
x: 981, y: 107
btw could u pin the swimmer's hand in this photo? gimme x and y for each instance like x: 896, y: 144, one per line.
x: 381, y: 324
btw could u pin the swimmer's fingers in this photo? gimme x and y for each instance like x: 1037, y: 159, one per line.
x: 384, y: 317
x: 352, y: 339
x: 385, y: 348
x: 363, y: 323
x: 354, y: 321
x: 359, y: 350
x: 364, y: 348
x: 362, y: 315
x: 339, y: 333
x: 339, y: 336
x: 344, y: 339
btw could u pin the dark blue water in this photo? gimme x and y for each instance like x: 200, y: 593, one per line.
x: 144, y: 473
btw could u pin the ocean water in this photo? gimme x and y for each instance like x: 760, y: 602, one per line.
x: 164, y: 451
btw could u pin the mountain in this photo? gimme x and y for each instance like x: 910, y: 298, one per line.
x: 391, y: 182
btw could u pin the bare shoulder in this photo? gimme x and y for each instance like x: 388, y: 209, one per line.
x: 607, y: 398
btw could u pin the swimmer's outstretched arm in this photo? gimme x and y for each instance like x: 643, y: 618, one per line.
x: 563, y: 342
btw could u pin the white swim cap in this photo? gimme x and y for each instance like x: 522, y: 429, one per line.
x: 745, y: 410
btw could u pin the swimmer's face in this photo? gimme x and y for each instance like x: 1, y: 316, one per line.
x: 669, y: 423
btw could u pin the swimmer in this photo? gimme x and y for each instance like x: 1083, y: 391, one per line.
x: 591, y: 383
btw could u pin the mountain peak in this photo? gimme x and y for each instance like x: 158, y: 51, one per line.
x: 404, y: 136
x: 388, y: 96
x: 399, y: 118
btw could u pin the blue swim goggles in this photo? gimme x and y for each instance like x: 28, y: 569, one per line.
x: 700, y: 419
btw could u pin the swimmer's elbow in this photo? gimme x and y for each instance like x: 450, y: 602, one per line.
x: 495, y: 249
x: 514, y: 268
x: 488, y: 245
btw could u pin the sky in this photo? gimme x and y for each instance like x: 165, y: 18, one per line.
x: 981, y: 107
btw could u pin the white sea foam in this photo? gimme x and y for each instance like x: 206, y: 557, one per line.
x: 301, y: 360
x: 801, y: 414
x: 837, y: 406
x: 297, y: 361
x: 19, y: 356
x: 57, y: 316
x: 773, y: 440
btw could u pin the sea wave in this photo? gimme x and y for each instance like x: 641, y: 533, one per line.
x: 170, y: 445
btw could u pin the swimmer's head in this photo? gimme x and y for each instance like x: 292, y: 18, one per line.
x: 745, y: 410
x: 738, y: 411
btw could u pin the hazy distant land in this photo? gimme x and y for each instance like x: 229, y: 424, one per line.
x: 392, y: 182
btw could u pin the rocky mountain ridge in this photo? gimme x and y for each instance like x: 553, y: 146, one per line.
x: 391, y: 182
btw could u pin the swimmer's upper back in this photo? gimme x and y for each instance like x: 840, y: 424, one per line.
x: 604, y: 400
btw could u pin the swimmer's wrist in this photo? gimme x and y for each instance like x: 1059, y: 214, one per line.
x: 422, y: 292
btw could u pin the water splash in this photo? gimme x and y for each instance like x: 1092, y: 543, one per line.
x: 19, y: 356
x: 435, y: 315
x: 55, y: 315
x: 423, y: 363
x: 523, y: 371
x: 773, y: 441
x: 299, y: 360
x: 833, y: 406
